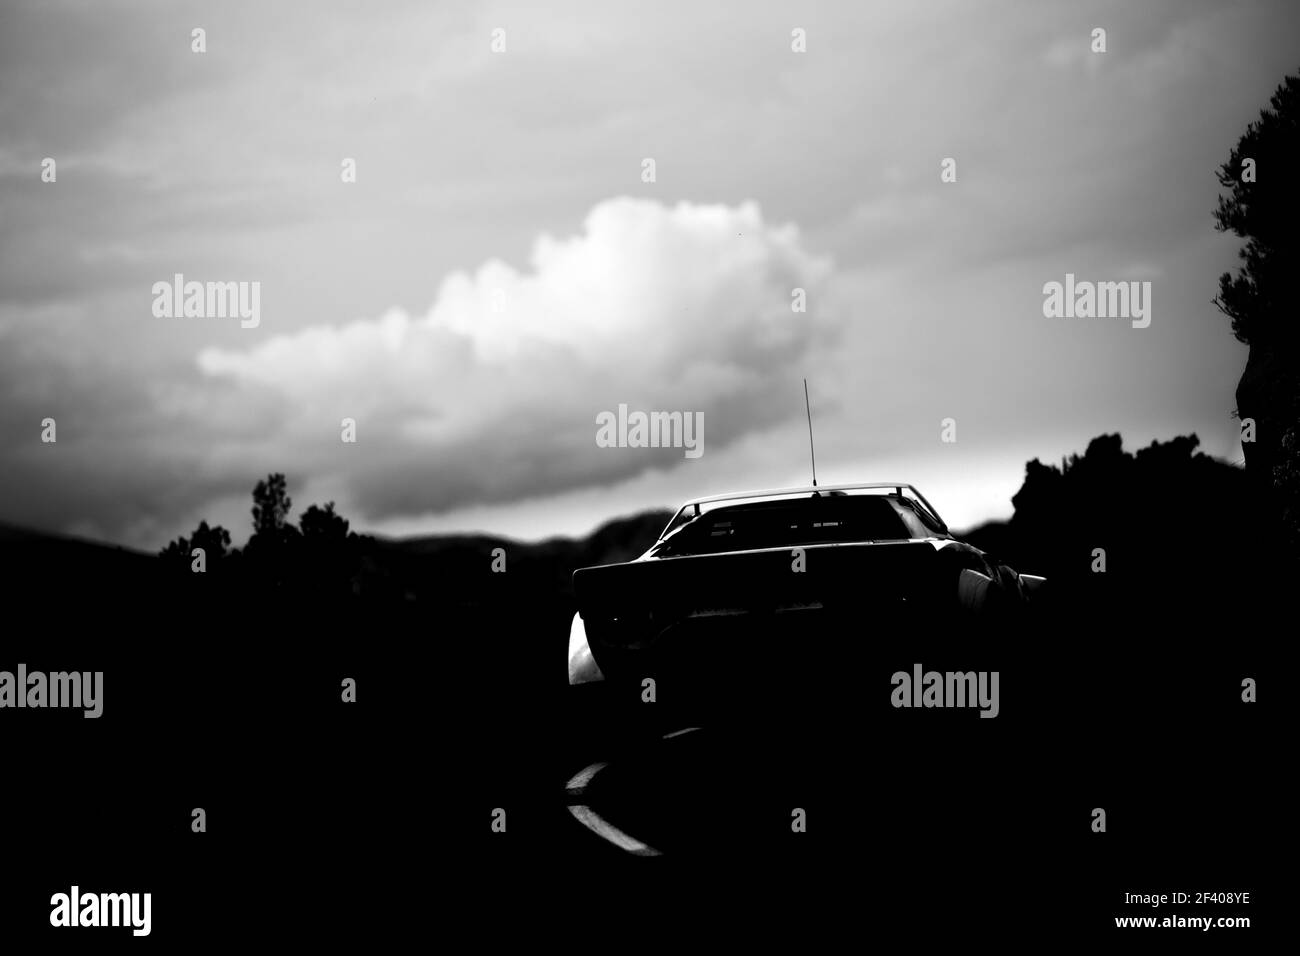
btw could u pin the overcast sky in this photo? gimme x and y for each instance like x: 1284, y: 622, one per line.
x: 500, y: 273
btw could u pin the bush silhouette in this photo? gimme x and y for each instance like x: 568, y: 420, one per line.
x: 1175, y: 527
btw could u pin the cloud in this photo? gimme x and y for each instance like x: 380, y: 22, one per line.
x: 492, y: 395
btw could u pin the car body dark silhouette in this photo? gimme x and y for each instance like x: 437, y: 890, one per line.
x: 744, y: 577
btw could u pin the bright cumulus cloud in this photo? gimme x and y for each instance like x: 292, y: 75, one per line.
x: 492, y: 395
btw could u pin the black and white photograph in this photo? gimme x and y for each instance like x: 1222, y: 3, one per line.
x: 799, y: 474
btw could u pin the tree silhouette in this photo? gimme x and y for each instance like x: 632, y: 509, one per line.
x: 214, y: 541
x: 323, y: 525
x: 1262, y: 298
x: 177, y: 552
x: 331, y: 556
x: 271, y: 504
x: 311, y: 568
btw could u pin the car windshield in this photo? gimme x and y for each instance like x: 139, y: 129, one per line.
x: 790, y: 523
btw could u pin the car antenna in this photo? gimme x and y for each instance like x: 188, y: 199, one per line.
x: 811, y: 453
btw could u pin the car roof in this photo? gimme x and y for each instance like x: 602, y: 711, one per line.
x: 899, y: 488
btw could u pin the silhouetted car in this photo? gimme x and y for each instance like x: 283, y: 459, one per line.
x: 737, y: 578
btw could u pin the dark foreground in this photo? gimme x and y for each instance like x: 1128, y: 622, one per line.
x: 372, y: 821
